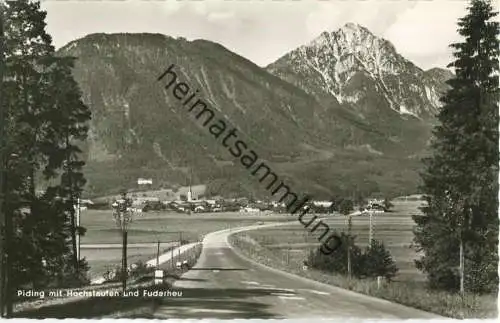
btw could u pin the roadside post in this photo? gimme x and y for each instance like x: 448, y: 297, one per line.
x: 379, y: 282
x: 172, y: 255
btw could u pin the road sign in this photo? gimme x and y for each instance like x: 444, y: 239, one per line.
x: 158, y: 277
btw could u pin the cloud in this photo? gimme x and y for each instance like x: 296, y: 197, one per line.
x: 264, y: 30
x: 375, y: 15
x: 424, y: 34
x: 220, y: 16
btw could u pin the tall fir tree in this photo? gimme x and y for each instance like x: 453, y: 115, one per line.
x: 46, y: 123
x: 68, y: 124
x: 460, y: 181
x: 26, y: 43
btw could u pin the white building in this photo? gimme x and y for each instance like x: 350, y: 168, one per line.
x: 249, y: 209
x: 144, y: 181
x: 322, y: 203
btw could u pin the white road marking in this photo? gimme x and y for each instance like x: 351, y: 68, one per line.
x: 250, y: 283
x: 219, y: 253
x: 315, y: 292
x: 292, y: 297
x: 215, y: 270
x: 268, y: 286
x: 194, y: 310
x: 282, y: 294
x: 214, y: 310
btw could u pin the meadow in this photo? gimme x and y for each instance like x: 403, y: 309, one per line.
x: 286, y: 248
x: 151, y: 227
x: 393, y: 228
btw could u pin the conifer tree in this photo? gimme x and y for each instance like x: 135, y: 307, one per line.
x: 46, y: 123
x: 378, y: 261
x: 460, y: 180
x: 68, y: 119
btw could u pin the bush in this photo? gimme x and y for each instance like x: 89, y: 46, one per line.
x: 375, y: 261
x: 337, y: 261
x: 387, y: 205
x: 135, y: 270
x: 140, y: 269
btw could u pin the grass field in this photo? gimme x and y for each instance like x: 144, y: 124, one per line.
x: 393, y: 228
x: 166, y: 226
x: 152, y: 227
x: 101, y: 260
x: 286, y: 247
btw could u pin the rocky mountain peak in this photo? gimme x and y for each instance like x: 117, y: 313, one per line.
x: 353, y: 65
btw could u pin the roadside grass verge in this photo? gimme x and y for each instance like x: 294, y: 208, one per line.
x: 413, y: 294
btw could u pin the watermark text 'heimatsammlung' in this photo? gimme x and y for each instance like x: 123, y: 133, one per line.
x: 220, y: 128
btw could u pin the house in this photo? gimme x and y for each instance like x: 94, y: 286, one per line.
x: 199, y: 209
x: 249, y: 209
x: 324, y: 204
x: 144, y: 181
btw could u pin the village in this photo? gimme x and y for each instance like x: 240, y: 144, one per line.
x: 193, y: 199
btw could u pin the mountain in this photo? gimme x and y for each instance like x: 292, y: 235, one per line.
x: 300, y: 117
x: 367, y: 76
x: 353, y: 67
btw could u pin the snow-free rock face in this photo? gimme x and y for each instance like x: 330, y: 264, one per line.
x: 362, y: 71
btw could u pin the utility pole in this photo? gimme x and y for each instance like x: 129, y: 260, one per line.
x: 172, y: 255
x: 370, y: 239
x: 349, y: 226
x: 462, y: 260
x: 123, y: 216
x: 78, y: 231
x: 158, y: 255
x: 124, y: 261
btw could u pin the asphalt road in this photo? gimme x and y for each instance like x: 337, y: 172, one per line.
x: 225, y: 285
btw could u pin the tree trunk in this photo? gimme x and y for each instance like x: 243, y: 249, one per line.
x: 2, y: 166
x: 8, y: 266
x: 462, y: 290
x: 124, y: 261
x: 69, y: 172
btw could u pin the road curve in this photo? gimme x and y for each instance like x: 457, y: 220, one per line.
x: 226, y: 285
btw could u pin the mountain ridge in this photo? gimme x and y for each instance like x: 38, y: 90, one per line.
x: 315, y: 141
x: 352, y: 54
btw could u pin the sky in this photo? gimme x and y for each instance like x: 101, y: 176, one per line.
x: 264, y: 30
